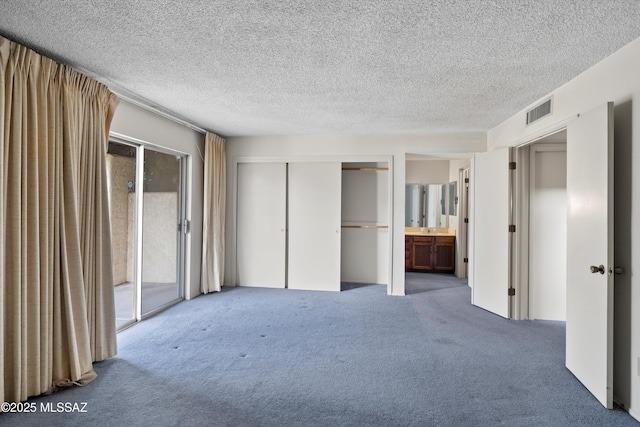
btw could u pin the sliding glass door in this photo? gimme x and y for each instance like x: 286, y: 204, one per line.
x: 146, y: 194
x: 161, y: 230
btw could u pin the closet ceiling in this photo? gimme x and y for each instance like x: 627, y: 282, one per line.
x: 294, y: 67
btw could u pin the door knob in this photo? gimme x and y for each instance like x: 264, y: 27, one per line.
x: 599, y: 269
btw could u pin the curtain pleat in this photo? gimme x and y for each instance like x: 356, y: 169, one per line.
x: 56, y: 287
x: 214, y: 214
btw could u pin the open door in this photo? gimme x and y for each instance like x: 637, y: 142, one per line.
x: 491, y: 231
x: 589, y: 346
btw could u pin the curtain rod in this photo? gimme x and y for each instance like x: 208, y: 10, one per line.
x: 159, y: 112
x: 142, y: 103
x: 365, y: 226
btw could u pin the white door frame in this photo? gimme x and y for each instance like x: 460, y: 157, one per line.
x: 522, y: 209
x: 307, y: 159
x: 462, y: 240
x: 521, y: 191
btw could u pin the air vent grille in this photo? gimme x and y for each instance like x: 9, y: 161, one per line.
x: 536, y: 113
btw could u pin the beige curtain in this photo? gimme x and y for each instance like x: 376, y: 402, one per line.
x: 214, y: 209
x: 56, y: 288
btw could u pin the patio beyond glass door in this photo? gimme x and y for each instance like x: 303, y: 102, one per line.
x: 161, y: 230
x: 121, y: 178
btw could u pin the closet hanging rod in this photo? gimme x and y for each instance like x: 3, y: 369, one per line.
x: 365, y: 169
x: 365, y: 226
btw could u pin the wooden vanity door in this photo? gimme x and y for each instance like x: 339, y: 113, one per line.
x: 444, y: 253
x: 422, y: 253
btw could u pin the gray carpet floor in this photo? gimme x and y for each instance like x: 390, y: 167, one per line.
x: 278, y: 357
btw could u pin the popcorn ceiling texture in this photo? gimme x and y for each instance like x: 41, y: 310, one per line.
x: 294, y: 67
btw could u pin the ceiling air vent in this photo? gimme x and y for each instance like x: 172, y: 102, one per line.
x: 538, y: 112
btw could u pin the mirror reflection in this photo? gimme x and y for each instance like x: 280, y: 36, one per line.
x: 430, y: 205
x: 425, y: 206
x: 453, y: 198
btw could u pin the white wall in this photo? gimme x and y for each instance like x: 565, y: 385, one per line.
x: 135, y: 122
x: 613, y: 79
x: 348, y: 149
x: 547, y: 223
x: 427, y: 171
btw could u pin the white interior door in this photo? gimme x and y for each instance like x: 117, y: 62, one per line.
x: 491, y: 237
x: 261, y: 224
x: 314, y: 226
x: 589, y: 346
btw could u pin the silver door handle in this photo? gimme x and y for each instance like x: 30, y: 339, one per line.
x: 599, y: 269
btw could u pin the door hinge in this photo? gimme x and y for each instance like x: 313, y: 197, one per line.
x: 511, y: 292
x: 184, y: 226
x: 512, y: 166
x: 466, y: 220
x: 466, y: 180
x: 466, y: 260
x: 512, y: 228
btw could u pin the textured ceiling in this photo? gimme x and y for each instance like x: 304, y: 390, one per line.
x: 242, y: 67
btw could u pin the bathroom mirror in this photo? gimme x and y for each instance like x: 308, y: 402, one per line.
x: 453, y: 198
x: 425, y: 205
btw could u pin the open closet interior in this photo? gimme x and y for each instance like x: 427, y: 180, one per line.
x: 365, y: 223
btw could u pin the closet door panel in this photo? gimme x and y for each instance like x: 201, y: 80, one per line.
x: 314, y: 226
x: 261, y: 225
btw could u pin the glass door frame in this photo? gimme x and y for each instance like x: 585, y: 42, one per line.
x: 183, y: 225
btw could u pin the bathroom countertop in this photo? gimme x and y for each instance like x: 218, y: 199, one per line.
x: 429, y: 231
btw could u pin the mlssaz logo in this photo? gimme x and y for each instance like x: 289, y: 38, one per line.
x: 63, y: 407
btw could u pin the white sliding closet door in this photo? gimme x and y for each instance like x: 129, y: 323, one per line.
x: 261, y: 238
x: 314, y: 226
